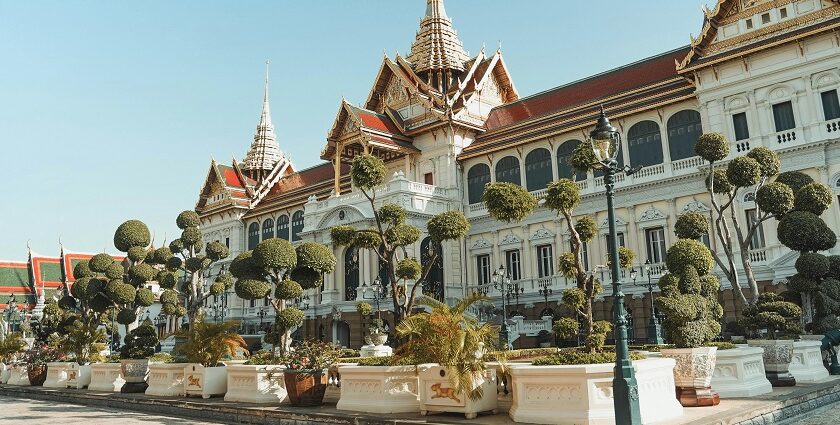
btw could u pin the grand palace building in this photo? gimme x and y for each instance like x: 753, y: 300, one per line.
x: 765, y: 73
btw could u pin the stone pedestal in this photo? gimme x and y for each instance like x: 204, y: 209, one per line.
x: 777, y: 357
x: 57, y: 373
x: 379, y: 389
x: 739, y: 372
x: 806, y: 364
x: 376, y: 351
x: 166, y: 379
x: 255, y: 384
x: 693, y: 375
x: 106, y: 377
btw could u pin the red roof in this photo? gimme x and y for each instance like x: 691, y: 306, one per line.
x: 375, y: 121
x: 629, y: 77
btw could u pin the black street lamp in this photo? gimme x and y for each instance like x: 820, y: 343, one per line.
x: 545, y: 290
x: 262, y: 313
x: 654, y: 329
x: 606, y: 145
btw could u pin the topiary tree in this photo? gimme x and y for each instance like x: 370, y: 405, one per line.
x: 780, y: 318
x: 82, y: 334
x: 689, y: 295
x: 508, y: 202
x: 563, y: 196
x: 751, y: 172
x: 140, y: 342
x: 817, y: 278
x: 276, y: 264
x: 390, y: 236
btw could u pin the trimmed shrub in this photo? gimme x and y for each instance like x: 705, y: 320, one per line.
x: 367, y: 239
x: 115, y: 271
x: 315, y: 256
x: 562, y: 195
x: 252, y: 289
x: 306, y: 277
x: 176, y: 246
x: 225, y: 278
x: 775, y: 198
x: 191, y: 236
x: 691, y: 225
x: 100, y: 262
x: 342, y: 235
x: 245, y: 266
x: 288, y: 318
x: 508, y: 202
x: 805, y: 231
x: 812, y: 265
x: 142, y: 273
x: 771, y: 312
x: 767, y: 160
x: 81, y: 270
x: 217, y: 288
x: 145, y: 297
x: 367, y: 171
x: 169, y: 297
x: 126, y: 317
x: 794, y: 179
x: 565, y: 328
x: 813, y: 197
x: 130, y: 234
x: 721, y: 182
x: 167, y: 279
x: 449, y: 225
x: 574, y: 357
x: 712, y: 147
x: 408, y: 268
x: 287, y: 290
x: 364, y: 308
x: 392, y: 214
x: 582, y: 157
x: 689, y: 252
x: 402, y: 235
x: 188, y: 219
x: 120, y: 293
x: 137, y: 253
x: 586, y: 228
x: 216, y: 251
x: 743, y: 171
x: 275, y: 254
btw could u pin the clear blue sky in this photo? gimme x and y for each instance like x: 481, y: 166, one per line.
x: 111, y: 110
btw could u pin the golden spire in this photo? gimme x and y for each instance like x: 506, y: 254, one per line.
x: 437, y: 47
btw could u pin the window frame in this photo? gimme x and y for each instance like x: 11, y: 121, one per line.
x: 538, y: 169
x: 776, y: 124
x: 513, y: 263
x: 835, y: 106
x: 474, y: 192
x: 655, y: 248
x: 482, y: 262
x: 758, y: 237
x: 746, y: 123
x: 545, y: 260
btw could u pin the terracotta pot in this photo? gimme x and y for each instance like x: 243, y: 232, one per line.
x: 693, y: 375
x: 37, y: 374
x: 305, y: 387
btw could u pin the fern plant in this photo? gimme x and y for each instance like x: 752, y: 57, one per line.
x: 450, y: 337
x: 207, y: 343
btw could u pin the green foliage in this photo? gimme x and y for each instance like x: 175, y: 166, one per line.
x: 288, y: 290
x: 805, y: 231
x: 565, y: 328
x: 245, y: 266
x: 586, y: 228
x: 167, y: 279
x: 712, y: 147
x: 391, y: 214
x: 834, y: 266
x: 775, y: 198
x: 582, y: 157
x: 169, y: 297
x: 251, y: 289
x: 162, y: 255
x: 449, y: 225
x: 562, y: 195
x: 342, y: 235
x: 130, y: 234
x: 120, y: 293
x: 137, y: 253
x: 145, y: 297
x: 625, y: 257
x: 208, y: 343
x: 812, y: 265
x: 689, y: 252
x: 508, y: 202
x: 689, y: 281
x: 794, y: 179
x: 743, y: 171
x: 52, y: 309
x: 126, y: 317
x: 576, y: 357
x: 402, y: 235
x: 65, y: 303
x: 139, y: 343
x: 79, y: 288
x: 780, y: 318
x: 802, y: 284
x: 188, y: 219
x: 177, y: 246
x: 408, y: 268
x: 82, y: 270
x: 574, y: 298
x: 364, y: 308
x: 289, y: 318
x: 216, y: 251
x: 566, y: 265
x: 174, y: 263
x: 767, y: 159
x: 11, y: 347
x: 142, y: 273
x: 275, y: 254
x: 225, y: 278
x: 691, y: 225
x: 307, y: 278
x: 217, y: 288
x: 814, y: 198
x: 367, y: 239
x: 191, y: 236
x: 115, y: 271
x: 197, y: 263
x: 721, y: 182
x: 315, y: 256
x: 100, y: 262
x: 367, y: 171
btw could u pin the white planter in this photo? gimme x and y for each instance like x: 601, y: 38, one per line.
x: 777, y: 356
x: 57, y: 373
x: 582, y: 394
x: 166, y: 379
x: 806, y: 362
x: 5, y: 372
x: 379, y: 389
x: 205, y: 381
x: 18, y: 376
x: 134, y: 372
x: 436, y: 394
x: 78, y: 376
x: 693, y: 375
x: 106, y: 377
x: 739, y: 372
x: 255, y: 384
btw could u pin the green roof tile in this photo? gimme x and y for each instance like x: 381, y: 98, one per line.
x: 50, y: 272
x: 14, y: 277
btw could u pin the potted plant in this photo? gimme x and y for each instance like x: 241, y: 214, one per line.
x: 207, y: 343
x: 447, y: 344
x: 306, y: 373
x: 139, y: 344
x: 107, y: 375
x: 258, y: 380
x: 37, y: 360
x: 779, y: 320
x: 11, y: 346
x: 689, y: 301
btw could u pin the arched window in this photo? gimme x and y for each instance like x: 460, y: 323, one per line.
x: 297, y: 225
x: 268, y: 229
x: 538, y: 169
x: 645, y: 143
x: 564, y: 165
x: 253, y: 235
x: 433, y: 285
x: 683, y: 130
x: 351, y: 273
x: 477, y: 178
x: 283, y: 227
x: 507, y: 170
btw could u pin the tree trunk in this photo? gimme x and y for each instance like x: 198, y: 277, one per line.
x: 748, y: 271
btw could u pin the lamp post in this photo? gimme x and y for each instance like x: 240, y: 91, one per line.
x: 606, y: 145
x: 262, y: 313
x: 654, y: 329
x: 545, y: 290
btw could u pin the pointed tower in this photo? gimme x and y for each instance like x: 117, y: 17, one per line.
x: 265, y: 152
x: 437, y: 53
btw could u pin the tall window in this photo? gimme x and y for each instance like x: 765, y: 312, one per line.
x: 683, y: 130
x: 742, y: 128
x: 564, y: 167
x: 433, y: 285
x: 513, y: 264
x: 545, y: 261
x: 783, y: 116
x: 538, y: 169
x: 757, y: 240
x: 645, y: 144
x: 477, y: 178
x: 483, y: 265
x: 297, y: 225
x: 831, y: 105
x: 610, y: 245
x: 253, y: 235
x: 351, y: 273
x: 655, y: 239
x: 268, y: 229
x: 283, y: 227
x: 507, y: 170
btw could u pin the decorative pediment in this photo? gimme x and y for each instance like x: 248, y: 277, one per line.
x: 510, y: 239
x: 481, y: 243
x: 652, y: 214
x: 395, y: 93
x: 695, y: 206
x: 605, y: 223
x: 341, y: 216
x: 542, y: 233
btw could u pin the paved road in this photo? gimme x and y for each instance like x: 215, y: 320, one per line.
x: 826, y: 415
x: 19, y: 411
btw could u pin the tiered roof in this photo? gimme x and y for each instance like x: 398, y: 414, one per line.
x: 295, y: 189
x: 264, y: 153
x: 437, y: 46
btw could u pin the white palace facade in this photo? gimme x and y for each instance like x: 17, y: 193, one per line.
x: 762, y: 72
